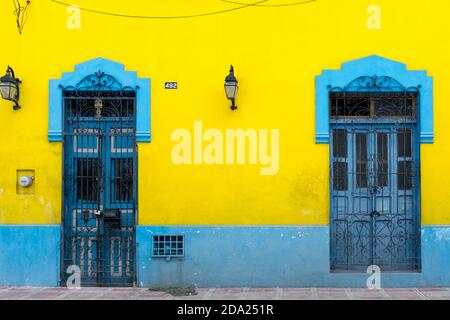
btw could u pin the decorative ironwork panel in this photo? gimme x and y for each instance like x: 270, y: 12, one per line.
x: 100, y: 186
x: 375, y: 176
x: 375, y: 84
x: 374, y: 97
x: 99, y: 81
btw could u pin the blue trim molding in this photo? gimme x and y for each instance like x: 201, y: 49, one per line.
x: 117, y: 70
x: 273, y: 256
x: 30, y: 255
x: 374, y: 66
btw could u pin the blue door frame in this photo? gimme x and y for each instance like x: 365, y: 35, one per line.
x: 375, y: 130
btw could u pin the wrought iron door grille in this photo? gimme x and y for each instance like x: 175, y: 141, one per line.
x: 375, y: 176
x: 100, y: 189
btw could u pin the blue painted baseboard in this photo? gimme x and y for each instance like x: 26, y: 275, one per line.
x: 268, y: 256
x: 272, y: 256
x: 29, y: 255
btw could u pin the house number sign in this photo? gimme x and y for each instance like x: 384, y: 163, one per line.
x: 171, y: 85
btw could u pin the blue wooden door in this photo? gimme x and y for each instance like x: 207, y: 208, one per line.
x: 374, y: 196
x: 100, y: 159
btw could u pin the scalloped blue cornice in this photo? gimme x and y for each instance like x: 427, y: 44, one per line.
x: 374, y: 66
x: 115, y: 69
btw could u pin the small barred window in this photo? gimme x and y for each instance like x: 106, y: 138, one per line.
x: 168, y: 246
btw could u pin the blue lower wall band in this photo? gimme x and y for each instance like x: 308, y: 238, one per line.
x: 30, y: 255
x: 274, y: 256
x: 222, y: 256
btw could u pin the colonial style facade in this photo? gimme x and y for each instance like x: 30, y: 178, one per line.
x: 126, y: 165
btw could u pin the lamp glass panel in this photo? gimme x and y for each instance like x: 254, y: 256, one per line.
x: 230, y: 89
x: 13, y: 92
x: 6, y: 92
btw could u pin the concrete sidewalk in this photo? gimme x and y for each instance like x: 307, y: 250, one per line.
x: 39, y: 293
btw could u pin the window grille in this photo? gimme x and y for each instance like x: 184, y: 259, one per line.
x: 168, y: 246
x: 374, y: 97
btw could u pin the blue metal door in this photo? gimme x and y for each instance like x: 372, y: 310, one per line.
x: 375, y: 177
x: 100, y: 159
x: 374, y: 197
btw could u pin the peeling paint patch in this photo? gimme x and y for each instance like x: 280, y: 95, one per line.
x: 48, y: 208
x: 443, y: 234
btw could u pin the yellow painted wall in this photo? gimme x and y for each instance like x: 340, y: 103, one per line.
x: 276, y: 51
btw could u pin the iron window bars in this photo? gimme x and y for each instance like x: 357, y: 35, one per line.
x: 168, y: 246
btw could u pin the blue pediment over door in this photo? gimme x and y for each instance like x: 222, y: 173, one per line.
x: 127, y: 79
x: 374, y: 66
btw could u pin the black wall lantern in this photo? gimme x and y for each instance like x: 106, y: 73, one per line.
x: 231, y: 87
x: 9, y: 87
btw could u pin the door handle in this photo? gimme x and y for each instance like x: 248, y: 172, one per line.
x: 375, y: 214
x: 98, y: 213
